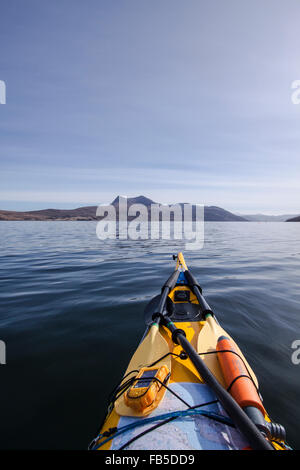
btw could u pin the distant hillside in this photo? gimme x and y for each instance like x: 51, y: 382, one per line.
x: 211, y: 213
x: 267, y: 218
x: 294, y: 219
x: 217, y: 214
x: 82, y: 213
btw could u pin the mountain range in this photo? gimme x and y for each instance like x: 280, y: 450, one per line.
x: 211, y: 213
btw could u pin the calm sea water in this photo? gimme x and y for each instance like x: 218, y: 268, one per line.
x: 72, y: 315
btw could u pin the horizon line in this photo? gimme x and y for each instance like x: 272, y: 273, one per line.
x: 74, y: 205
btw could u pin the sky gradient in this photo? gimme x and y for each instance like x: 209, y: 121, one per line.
x: 179, y: 101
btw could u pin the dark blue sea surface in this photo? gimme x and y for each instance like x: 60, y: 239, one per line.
x: 71, y: 315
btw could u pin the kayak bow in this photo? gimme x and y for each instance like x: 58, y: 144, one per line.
x: 190, y: 378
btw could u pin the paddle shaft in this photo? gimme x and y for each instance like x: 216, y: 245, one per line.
x: 238, y: 416
x: 168, y: 286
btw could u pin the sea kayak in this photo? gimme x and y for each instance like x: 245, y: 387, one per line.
x: 188, y: 386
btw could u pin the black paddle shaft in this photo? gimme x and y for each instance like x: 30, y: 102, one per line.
x: 248, y: 429
x: 167, y: 287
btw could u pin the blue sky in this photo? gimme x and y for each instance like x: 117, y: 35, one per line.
x: 179, y: 101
